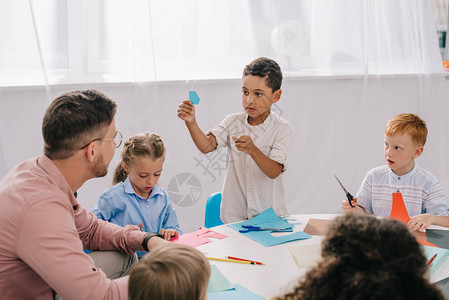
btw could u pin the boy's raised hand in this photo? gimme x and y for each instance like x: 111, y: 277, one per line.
x: 244, y: 143
x: 169, y: 233
x: 186, y: 111
x: 348, y: 208
x: 420, y: 222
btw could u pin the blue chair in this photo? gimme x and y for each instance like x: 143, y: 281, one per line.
x: 212, y: 217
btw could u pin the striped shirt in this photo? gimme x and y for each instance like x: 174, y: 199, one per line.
x: 421, y: 191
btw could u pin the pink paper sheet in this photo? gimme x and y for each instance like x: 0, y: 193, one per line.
x: 198, y: 237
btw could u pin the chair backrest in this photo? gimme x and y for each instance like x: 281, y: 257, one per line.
x: 212, y: 215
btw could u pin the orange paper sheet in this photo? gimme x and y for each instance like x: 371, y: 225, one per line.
x: 317, y: 226
x: 398, y: 210
x: 422, y: 238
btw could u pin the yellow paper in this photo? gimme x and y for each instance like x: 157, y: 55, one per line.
x: 306, y: 256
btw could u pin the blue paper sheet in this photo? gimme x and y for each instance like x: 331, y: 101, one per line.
x: 193, y: 97
x: 269, y: 219
x: 238, y: 293
x: 442, y: 255
x: 217, y: 281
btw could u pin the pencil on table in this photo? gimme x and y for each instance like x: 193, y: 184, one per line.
x: 237, y: 258
x: 233, y: 260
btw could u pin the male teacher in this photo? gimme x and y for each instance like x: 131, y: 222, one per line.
x: 43, y: 227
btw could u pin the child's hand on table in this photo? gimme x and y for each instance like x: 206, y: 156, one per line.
x: 420, y: 222
x: 169, y: 233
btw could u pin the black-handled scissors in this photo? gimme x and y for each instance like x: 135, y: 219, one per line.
x: 348, y: 194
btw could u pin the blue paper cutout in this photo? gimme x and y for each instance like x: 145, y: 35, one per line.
x: 291, y: 221
x: 193, y: 97
x: 238, y: 293
x: 217, y: 281
x: 269, y: 219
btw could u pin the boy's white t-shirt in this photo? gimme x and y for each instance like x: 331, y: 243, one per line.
x: 247, y: 191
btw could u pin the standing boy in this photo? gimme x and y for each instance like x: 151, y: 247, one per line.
x: 257, y: 141
x: 422, y: 193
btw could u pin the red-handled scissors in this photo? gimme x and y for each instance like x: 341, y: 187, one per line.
x: 348, y: 194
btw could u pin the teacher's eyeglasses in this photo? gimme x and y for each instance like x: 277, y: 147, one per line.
x: 118, y: 139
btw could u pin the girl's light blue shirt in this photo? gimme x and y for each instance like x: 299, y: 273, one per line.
x: 122, y: 206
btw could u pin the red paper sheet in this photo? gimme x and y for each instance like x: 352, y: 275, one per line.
x: 398, y: 210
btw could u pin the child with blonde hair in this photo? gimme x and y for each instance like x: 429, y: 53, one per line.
x: 171, y: 272
x: 135, y: 197
x: 423, y: 195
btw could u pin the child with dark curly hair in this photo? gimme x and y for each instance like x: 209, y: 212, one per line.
x: 368, y: 258
x: 257, y: 141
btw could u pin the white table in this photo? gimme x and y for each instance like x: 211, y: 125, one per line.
x: 280, y: 272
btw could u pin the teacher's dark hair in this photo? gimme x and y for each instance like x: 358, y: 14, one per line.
x: 73, y: 120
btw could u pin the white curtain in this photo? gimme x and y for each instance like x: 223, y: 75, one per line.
x: 349, y: 66
x: 74, y: 41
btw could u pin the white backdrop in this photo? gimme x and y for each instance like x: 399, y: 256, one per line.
x: 338, y: 123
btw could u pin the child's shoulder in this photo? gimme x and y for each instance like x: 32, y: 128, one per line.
x: 282, y: 124
x: 379, y: 171
x: 279, y: 119
x: 235, y: 116
x: 426, y: 175
x: 232, y: 120
x: 119, y: 188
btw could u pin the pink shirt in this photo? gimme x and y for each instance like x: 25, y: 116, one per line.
x: 43, y: 233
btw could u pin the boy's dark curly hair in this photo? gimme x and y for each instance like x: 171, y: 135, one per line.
x: 265, y: 67
x: 368, y: 258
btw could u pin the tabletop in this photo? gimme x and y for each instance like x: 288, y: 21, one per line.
x: 280, y: 273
